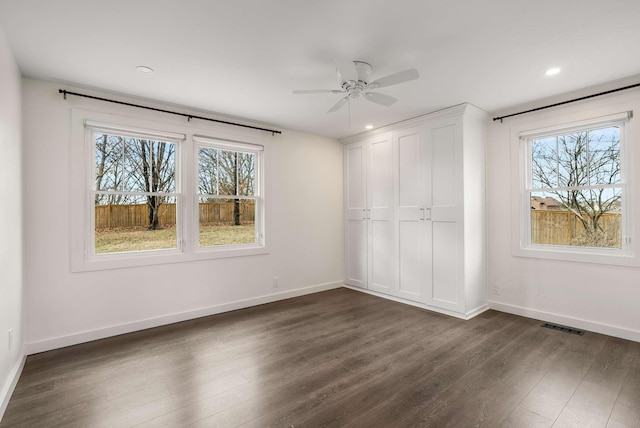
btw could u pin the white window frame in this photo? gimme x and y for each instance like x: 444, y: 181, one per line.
x: 82, y: 218
x: 257, y: 150
x: 521, y: 213
x: 91, y: 128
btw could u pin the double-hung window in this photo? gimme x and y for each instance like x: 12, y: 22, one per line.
x: 148, y: 193
x: 574, y: 197
x: 135, y: 191
x: 229, y: 193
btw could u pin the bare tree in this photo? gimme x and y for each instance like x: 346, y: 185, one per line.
x: 582, y: 170
x: 151, y: 170
x: 109, y: 169
x: 227, y: 173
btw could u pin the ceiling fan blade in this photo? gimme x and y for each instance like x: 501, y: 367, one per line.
x: 338, y: 105
x: 346, y: 70
x: 382, y: 99
x: 394, y: 79
x: 320, y: 91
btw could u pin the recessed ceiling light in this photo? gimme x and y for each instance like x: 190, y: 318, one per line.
x: 144, y: 69
x: 552, y: 71
x: 369, y: 127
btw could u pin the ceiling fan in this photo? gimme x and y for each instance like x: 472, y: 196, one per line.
x: 355, y: 81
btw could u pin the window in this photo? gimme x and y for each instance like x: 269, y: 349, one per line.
x: 228, y: 193
x: 135, y: 191
x: 148, y: 193
x: 575, y: 193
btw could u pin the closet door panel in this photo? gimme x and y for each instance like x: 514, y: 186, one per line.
x: 381, y: 257
x: 411, y: 228
x: 446, y: 216
x: 380, y: 214
x: 445, y: 265
x: 356, y: 266
x: 444, y: 165
x: 355, y: 215
x: 410, y: 244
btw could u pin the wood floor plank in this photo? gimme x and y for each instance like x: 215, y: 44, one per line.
x: 627, y: 407
x: 337, y: 358
x: 553, y: 392
x: 377, y: 380
x: 447, y: 366
x: 524, y: 418
x: 593, y: 400
x: 487, y: 394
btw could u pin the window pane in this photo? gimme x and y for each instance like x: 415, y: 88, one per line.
x: 109, y: 164
x: 573, y: 160
x: 208, y: 171
x: 544, y: 163
x: 246, y: 174
x: 604, y: 155
x: 149, y: 166
x: 125, y: 223
x: 226, y: 221
x: 227, y: 172
x: 585, y: 218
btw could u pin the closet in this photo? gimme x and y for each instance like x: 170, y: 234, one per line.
x: 415, y: 211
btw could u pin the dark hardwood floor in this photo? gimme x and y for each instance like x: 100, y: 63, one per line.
x: 338, y: 358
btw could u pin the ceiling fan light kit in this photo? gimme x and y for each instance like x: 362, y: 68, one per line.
x: 355, y: 81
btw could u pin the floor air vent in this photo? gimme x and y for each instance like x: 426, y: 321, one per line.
x: 564, y: 329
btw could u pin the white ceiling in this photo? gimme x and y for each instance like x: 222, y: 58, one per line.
x: 244, y: 57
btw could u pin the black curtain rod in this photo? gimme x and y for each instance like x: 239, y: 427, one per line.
x: 566, y: 102
x: 188, y: 116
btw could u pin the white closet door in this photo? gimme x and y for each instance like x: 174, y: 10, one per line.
x: 413, y: 243
x: 380, y: 213
x: 355, y: 202
x: 447, y: 290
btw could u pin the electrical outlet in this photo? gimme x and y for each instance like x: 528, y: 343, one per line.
x: 276, y: 282
x: 10, y: 338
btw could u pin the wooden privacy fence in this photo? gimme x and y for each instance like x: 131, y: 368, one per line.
x: 563, y: 228
x: 137, y: 215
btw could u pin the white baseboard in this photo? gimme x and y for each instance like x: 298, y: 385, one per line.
x: 12, y: 381
x: 88, y: 336
x: 466, y: 316
x: 596, y: 327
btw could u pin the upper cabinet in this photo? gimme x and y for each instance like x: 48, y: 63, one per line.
x: 415, y: 211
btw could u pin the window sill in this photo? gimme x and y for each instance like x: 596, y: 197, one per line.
x: 148, y: 258
x: 585, y: 255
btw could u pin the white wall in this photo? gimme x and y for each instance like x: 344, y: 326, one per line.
x: 10, y: 223
x: 304, y: 191
x: 596, y: 297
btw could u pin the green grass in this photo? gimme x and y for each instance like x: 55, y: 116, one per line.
x: 142, y: 239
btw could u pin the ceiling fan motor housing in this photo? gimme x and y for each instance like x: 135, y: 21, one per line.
x: 353, y: 87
